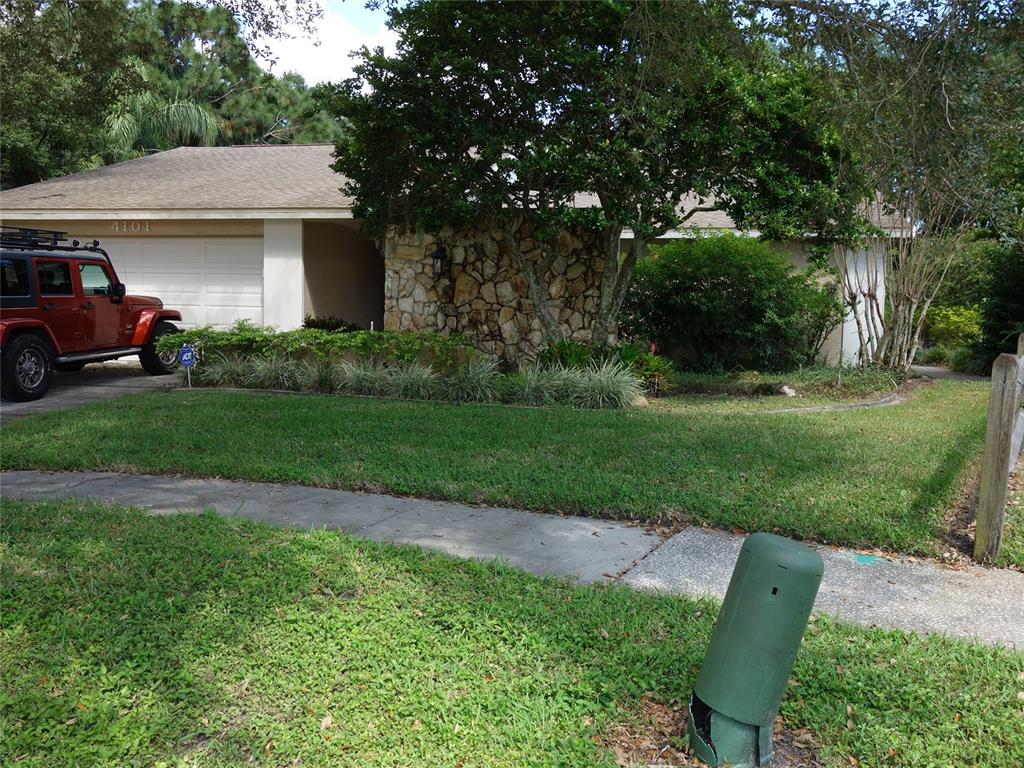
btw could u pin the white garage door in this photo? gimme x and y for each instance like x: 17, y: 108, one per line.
x: 212, y: 281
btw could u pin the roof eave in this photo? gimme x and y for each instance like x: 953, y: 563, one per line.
x: 107, y: 214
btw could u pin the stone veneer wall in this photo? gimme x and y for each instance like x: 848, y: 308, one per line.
x: 482, y: 295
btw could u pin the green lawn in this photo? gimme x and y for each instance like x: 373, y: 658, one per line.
x: 1013, y: 533
x: 199, y: 640
x: 881, y: 477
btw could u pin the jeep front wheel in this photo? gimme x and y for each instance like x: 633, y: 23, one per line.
x: 26, y: 370
x: 154, y: 363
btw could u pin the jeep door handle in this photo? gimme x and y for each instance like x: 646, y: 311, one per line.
x: 49, y: 307
x: 88, y: 305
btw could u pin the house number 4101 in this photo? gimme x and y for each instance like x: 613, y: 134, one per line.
x: 130, y: 226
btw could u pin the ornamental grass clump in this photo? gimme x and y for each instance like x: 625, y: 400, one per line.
x: 534, y: 385
x: 607, y: 385
x: 478, y: 381
x: 217, y: 370
x: 413, y: 381
x: 272, y: 372
x: 365, y: 378
x: 320, y: 376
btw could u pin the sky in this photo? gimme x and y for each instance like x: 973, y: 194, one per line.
x: 346, y: 26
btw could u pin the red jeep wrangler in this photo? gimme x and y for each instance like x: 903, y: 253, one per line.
x: 62, y: 306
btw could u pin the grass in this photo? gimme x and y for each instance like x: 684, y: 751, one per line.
x: 822, y: 381
x: 198, y: 640
x: 696, y: 404
x: 1013, y: 533
x: 881, y: 477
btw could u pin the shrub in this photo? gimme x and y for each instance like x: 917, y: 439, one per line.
x: 964, y: 360
x: 394, y: 347
x: 566, y: 352
x: 724, y: 302
x: 329, y: 323
x: 953, y: 326
x: 365, y: 378
x: 413, y: 381
x: 935, y: 355
x: 1002, y: 311
x: 478, y: 381
x: 654, y: 371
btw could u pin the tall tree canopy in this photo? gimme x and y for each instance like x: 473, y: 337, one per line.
x: 930, y: 94
x: 86, y: 83
x: 650, y: 110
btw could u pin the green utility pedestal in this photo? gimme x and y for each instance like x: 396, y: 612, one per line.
x: 752, y: 649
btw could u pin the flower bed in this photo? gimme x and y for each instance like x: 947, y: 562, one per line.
x: 421, y: 366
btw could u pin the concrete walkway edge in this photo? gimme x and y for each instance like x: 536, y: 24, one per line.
x: 925, y: 597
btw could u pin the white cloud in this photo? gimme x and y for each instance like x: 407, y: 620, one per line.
x: 329, y: 61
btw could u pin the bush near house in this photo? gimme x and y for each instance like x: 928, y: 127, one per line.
x: 727, y: 302
x: 329, y: 323
x: 390, y: 347
x: 1002, y: 311
x: 953, y: 326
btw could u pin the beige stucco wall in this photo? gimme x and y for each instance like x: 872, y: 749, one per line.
x: 106, y: 230
x: 344, y: 274
x: 800, y: 253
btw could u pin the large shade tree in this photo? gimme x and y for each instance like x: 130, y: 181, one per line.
x: 930, y: 94
x: 588, y: 116
x: 86, y: 82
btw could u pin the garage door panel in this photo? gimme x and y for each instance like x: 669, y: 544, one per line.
x: 237, y: 281
x: 238, y: 256
x: 174, y: 257
x: 214, y: 281
x: 189, y: 314
x: 225, y: 316
x: 212, y: 299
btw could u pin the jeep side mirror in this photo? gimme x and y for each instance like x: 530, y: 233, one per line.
x: 118, y: 291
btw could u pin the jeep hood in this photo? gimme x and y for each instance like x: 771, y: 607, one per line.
x: 143, y: 301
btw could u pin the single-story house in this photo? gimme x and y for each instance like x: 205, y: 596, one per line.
x: 263, y: 233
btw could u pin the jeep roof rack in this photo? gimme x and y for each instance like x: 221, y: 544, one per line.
x: 29, y: 236
x: 49, y: 239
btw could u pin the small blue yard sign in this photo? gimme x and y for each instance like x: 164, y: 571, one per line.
x: 187, y: 356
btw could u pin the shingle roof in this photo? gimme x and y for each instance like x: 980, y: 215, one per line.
x: 261, y: 177
x: 255, y: 177
x: 279, y: 177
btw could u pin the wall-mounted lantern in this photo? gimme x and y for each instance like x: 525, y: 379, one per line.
x: 440, y: 261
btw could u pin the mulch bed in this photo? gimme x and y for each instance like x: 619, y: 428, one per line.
x: 655, y: 735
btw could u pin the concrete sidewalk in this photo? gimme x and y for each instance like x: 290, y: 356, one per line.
x: 978, y: 603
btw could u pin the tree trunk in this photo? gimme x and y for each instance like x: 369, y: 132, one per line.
x: 615, y: 279
x: 536, y: 275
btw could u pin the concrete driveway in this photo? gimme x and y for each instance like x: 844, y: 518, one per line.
x: 100, y: 381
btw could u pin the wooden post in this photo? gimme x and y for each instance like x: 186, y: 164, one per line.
x: 1003, y: 411
x: 1020, y: 345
